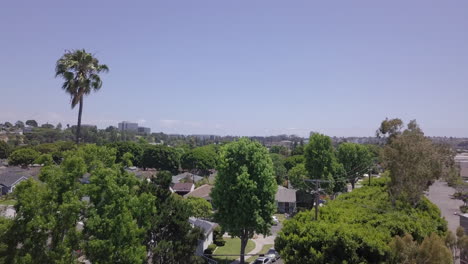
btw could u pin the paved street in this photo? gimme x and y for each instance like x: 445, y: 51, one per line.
x: 440, y: 194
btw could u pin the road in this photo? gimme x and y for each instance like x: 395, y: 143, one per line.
x: 440, y: 194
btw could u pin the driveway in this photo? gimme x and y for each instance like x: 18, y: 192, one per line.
x: 440, y: 194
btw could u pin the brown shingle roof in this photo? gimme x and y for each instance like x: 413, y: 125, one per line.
x: 201, y: 192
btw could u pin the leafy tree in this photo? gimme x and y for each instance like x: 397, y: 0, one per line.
x: 298, y: 149
x: 432, y: 250
x: 201, y: 158
x: 48, y: 126
x: 80, y: 71
x: 161, y: 158
x: 244, y: 191
x: 356, y: 160
x: 279, y: 168
x: 413, y: 162
x: 297, y: 176
x: 5, y: 149
x: 279, y: 150
x: 45, y: 159
x: 199, y: 207
x: 19, y: 124
x: 23, y: 157
x: 171, y: 238
x: 113, y: 234
x: 32, y: 123
x: 128, y: 147
x: 8, y: 125
x: 321, y: 163
x: 356, y: 227
x: 389, y: 129
x: 292, y: 161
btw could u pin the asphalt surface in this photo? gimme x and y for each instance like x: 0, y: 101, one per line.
x: 441, y: 195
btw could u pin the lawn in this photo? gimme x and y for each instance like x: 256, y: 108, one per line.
x: 232, y: 247
x: 264, y: 250
x: 7, y: 202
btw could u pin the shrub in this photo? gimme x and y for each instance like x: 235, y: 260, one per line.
x: 23, y: 157
x: 211, y: 248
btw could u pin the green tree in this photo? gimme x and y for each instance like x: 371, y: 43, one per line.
x: 389, y: 129
x: 199, y: 207
x: 244, y: 191
x: 321, y: 163
x: 279, y: 168
x: 292, y: 161
x: 413, y: 162
x: 32, y: 123
x: 112, y: 231
x: 128, y: 147
x: 23, y: 157
x: 80, y: 71
x: 201, y: 159
x: 19, y: 124
x: 356, y: 160
x: 171, y: 239
x: 161, y: 158
x: 279, y: 150
x: 5, y: 149
x: 297, y: 176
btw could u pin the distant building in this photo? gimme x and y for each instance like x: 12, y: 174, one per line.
x: 183, y: 188
x: 144, y: 130
x: 203, y: 191
x: 207, y: 227
x: 128, y: 126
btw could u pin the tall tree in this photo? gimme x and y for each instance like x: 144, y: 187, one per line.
x: 356, y: 160
x: 32, y: 123
x: 80, y: 71
x: 244, y: 192
x: 321, y: 163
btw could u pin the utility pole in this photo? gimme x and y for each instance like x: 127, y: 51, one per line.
x: 317, y: 190
x: 370, y: 171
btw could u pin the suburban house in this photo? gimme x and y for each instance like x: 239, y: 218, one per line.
x: 285, y: 200
x: 186, y: 177
x: 182, y: 188
x: 9, y: 179
x: 208, y: 228
x: 203, y: 191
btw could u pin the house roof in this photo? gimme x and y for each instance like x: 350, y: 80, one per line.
x: 182, y: 187
x: 203, y: 191
x: 10, y: 178
x: 186, y: 175
x: 11, y: 175
x: 206, y: 226
x: 285, y: 195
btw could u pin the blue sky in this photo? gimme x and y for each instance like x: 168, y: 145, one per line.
x: 243, y: 67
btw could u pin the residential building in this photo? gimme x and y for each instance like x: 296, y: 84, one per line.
x: 285, y: 200
x: 203, y: 191
x: 128, y: 126
x: 207, y: 227
x: 186, y: 177
x: 183, y: 188
x: 9, y: 179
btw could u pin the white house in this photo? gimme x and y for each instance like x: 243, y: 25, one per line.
x: 208, y: 228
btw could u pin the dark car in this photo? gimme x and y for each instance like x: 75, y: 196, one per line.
x: 272, y: 254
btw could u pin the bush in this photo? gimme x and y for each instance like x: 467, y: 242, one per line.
x: 211, y: 248
x: 23, y: 157
x: 218, y: 236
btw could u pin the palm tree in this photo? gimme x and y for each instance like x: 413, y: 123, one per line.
x: 80, y: 70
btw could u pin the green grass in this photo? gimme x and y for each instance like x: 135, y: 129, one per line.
x: 7, y: 202
x: 280, y: 217
x: 232, y: 247
x: 264, y: 250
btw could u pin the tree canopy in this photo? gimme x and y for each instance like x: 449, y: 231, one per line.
x: 244, y: 191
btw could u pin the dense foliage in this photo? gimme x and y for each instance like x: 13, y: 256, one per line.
x: 160, y: 158
x: 201, y: 159
x: 356, y: 228
x: 244, y: 191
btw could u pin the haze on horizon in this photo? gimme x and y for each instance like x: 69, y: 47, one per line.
x: 243, y: 67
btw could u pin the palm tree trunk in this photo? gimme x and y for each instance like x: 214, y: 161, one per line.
x: 78, y: 128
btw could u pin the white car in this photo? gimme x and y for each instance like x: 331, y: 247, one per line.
x: 275, y: 220
x: 262, y: 260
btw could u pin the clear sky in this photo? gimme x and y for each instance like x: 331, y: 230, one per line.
x: 243, y: 67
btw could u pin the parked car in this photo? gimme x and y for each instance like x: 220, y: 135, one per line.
x: 272, y: 254
x: 262, y: 260
x: 275, y: 220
